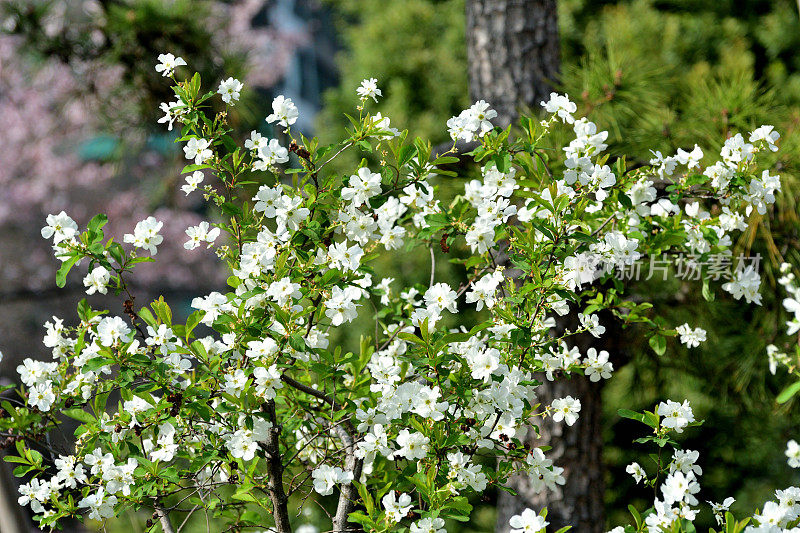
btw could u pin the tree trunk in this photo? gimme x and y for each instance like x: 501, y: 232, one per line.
x: 513, y: 51
x: 578, y: 449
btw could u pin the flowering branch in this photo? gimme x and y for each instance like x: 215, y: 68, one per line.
x: 419, y: 402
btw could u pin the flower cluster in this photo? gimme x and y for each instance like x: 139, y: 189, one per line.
x: 676, y: 502
x: 251, y: 392
x: 472, y: 123
x: 789, y: 356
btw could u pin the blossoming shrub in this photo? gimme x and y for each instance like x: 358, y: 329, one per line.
x: 789, y: 354
x: 247, y: 403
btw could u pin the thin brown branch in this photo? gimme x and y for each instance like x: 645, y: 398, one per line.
x: 277, y: 493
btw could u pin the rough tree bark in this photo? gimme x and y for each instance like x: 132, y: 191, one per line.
x: 513, y: 51
x: 578, y: 449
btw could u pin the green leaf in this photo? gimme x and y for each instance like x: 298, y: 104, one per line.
x: 708, y: 294
x: 410, y: 337
x: 15, y: 459
x: 66, y: 266
x: 437, y: 220
x: 95, y: 227
x: 84, y: 309
x: 658, y: 344
x: 192, y: 168
x: 296, y: 341
x: 231, y: 209
x: 78, y: 414
x: 578, y: 236
x: 445, y: 160
x: 331, y: 276
x: 193, y: 320
x: 36, y: 457
x: 406, y: 154
x: 456, y: 337
x: 360, y: 518
x: 633, y: 415
x: 787, y: 393
x: 22, y: 470
x: 457, y: 509
x: 145, y: 314
x: 116, y: 251
x: 651, y: 419
x: 625, y: 200
x: 244, y: 494
x: 98, y: 362
x: 194, y: 85
x: 636, y: 516
x: 162, y: 311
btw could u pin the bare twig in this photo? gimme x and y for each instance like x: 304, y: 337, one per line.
x: 346, y: 432
x: 188, y: 516
x: 310, y: 391
x: 433, y: 265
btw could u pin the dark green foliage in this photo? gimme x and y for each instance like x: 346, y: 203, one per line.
x: 415, y: 49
